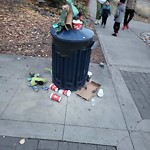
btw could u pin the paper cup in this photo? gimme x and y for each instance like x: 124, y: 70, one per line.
x: 77, y: 24
x: 65, y: 92
x: 55, y: 97
x: 53, y: 87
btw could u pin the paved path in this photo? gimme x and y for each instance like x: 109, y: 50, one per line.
x: 128, y: 58
x: 119, y: 120
x: 13, y: 143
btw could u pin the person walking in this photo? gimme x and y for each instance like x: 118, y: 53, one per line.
x: 118, y: 17
x: 99, y: 6
x: 129, y: 13
x: 105, y: 12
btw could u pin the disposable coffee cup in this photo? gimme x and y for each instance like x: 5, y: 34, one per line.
x: 55, y: 97
x: 77, y: 24
x: 53, y: 87
x: 65, y: 92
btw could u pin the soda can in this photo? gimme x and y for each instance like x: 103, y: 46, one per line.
x: 65, y: 92
x: 53, y: 87
x: 55, y: 97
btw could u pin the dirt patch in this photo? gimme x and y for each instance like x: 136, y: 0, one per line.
x: 140, y: 18
x: 24, y: 30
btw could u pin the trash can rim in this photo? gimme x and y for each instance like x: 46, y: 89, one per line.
x: 73, y: 35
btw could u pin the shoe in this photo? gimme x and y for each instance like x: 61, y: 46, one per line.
x: 96, y: 22
x: 114, y: 34
x: 124, y: 27
x: 99, y: 22
x: 127, y: 26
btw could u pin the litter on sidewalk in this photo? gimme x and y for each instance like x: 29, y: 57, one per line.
x: 93, y: 101
x: 100, y: 93
x: 53, y: 87
x: 102, y: 64
x: 49, y: 70
x: 45, y: 88
x: 35, y: 80
x: 55, y: 97
x: 89, y: 75
x: 89, y: 90
x: 65, y: 92
x: 35, y: 88
x: 22, y: 141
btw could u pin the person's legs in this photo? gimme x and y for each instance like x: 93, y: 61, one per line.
x: 102, y: 21
x: 131, y: 15
x: 98, y: 17
x: 125, y: 19
x: 105, y: 21
x: 116, y: 28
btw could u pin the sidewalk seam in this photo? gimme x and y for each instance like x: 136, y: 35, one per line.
x: 65, y: 120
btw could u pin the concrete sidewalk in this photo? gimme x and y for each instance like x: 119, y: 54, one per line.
x: 121, y: 118
x: 128, y: 60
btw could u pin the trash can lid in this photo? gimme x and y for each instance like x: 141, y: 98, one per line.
x: 73, y: 35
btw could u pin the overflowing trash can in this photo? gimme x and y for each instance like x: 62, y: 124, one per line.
x: 71, y: 51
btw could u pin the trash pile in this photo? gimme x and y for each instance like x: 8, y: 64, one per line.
x: 70, y: 18
x: 35, y: 81
x: 90, y: 89
x: 56, y: 97
x: 87, y: 92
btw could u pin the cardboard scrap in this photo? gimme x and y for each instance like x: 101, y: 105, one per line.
x: 69, y: 20
x: 89, y: 90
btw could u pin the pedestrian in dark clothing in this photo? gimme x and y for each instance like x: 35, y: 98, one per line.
x: 105, y: 12
x: 129, y: 13
x: 119, y: 15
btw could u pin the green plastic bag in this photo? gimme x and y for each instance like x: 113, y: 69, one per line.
x: 74, y: 9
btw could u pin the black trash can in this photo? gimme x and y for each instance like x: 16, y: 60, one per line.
x: 71, y: 52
